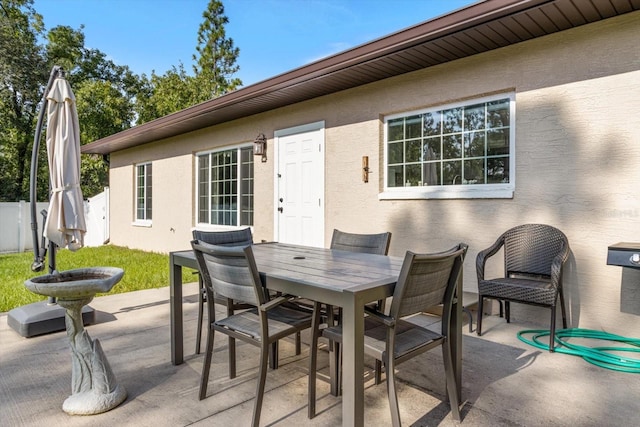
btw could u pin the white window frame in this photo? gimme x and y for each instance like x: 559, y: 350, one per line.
x: 481, y: 191
x: 208, y: 226
x: 143, y: 222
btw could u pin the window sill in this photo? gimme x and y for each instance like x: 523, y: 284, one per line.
x: 218, y: 227
x: 142, y: 223
x: 458, y: 192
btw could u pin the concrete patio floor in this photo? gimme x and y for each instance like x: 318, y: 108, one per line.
x: 505, y: 382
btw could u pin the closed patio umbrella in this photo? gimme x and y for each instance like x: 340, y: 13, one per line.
x: 65, y: 224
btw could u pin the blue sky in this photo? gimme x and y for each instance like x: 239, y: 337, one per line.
x: 274, y: 36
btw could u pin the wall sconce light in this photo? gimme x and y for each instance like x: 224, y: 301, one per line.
x: 260, y: 147
x: 365, y: 169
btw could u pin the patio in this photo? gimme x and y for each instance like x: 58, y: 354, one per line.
x: 505, y: 382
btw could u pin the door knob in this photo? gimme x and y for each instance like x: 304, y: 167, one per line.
x: 280, y: 209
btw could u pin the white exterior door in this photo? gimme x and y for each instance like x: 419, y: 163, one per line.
x: 300, y: 185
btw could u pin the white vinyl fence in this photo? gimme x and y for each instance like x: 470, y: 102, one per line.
x: 96, y: 216
x: 15, y: 223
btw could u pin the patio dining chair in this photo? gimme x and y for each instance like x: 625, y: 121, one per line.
x: 534, y: 255
x: 352, y: 242
x: 425, y: 281
x: 363, y: 243
x: 221, y: 238
x: 231, y: 272
x: 239, y: 238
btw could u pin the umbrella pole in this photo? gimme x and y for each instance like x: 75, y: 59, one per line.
x: 41, y: 253
x: 52, y: 265
x: 38, y: 253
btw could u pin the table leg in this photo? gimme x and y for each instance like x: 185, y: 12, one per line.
x: 175, y: 302
x: 353, y: 362
x: 456, y: 337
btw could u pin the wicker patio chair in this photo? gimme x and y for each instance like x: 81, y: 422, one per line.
x: 534, y: 255
x: 221, y: 238
x: 231, y: 272
x: 425, y: 281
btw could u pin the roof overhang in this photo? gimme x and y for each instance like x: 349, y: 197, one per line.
x: 474, y: 29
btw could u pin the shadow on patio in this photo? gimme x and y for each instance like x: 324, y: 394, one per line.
x: 505, y: 382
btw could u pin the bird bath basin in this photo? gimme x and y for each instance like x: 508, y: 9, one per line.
x: 93, y: 384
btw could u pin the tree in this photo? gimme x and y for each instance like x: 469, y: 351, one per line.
x: 102, y: 111
x: 171, y: 92
x: 65, y: 48
x: 22, y: 69
x: 216, y: 63
x: 110, y: 98
x: 106, y: 96
x: 107, y: 100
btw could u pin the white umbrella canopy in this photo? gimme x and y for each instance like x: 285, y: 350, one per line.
x: 65, y: 225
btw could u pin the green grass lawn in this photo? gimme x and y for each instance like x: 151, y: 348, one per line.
x: 142, y: 270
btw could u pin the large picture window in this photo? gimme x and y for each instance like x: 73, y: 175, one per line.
x: 143, y: 192
x: 225, y: 187
x: 449, y: 149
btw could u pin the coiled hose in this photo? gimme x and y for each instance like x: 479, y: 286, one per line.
x: 604, y: 357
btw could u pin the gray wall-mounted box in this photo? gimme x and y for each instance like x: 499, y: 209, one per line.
x: 624, y: 254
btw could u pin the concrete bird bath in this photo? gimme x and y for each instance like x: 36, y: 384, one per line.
x: 93, y: 384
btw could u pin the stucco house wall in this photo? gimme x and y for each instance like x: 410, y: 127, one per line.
x: 577, y: 164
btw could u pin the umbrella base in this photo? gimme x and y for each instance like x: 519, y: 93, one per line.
x: 42, y: 318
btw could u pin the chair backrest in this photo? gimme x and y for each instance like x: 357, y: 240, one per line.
x: 225, y: 238
x: 229, y: 271
x: 530, y: 249
x: 427, y: 280
x: 365, y: 243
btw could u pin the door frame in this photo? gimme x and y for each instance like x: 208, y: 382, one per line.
x: 306, y: 128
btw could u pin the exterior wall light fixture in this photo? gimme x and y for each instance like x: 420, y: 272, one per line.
x: 260, y: 147
x: 365, y: 169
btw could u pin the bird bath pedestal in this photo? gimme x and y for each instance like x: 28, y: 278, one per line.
x: 93, y: 384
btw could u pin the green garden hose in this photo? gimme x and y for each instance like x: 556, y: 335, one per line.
x: 605, y: 357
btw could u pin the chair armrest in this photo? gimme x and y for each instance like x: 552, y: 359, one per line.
x: 557, y: 264
x: 278, y: 300
x: 484, y: 255
x: 273, y: 303
x: 387, y: 320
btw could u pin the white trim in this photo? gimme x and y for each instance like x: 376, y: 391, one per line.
x: 496, y: 191
x: 224, y: 148
x: 142, y: 223
x: 310, y: 127
x: 480, y: 191
x: 217, y: 227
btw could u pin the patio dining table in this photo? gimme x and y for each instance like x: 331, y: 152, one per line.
x: 346, y: 279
